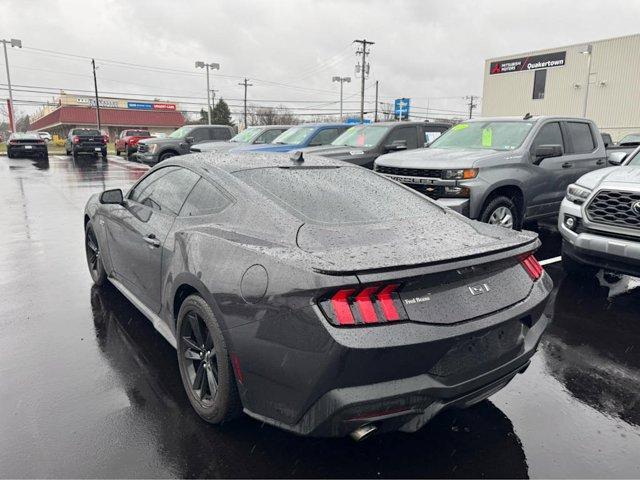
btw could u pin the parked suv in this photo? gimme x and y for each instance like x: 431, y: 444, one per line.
x: 501, y: 171
x: 600, y: 221
x: 362, y: 144
x: 154, y: 150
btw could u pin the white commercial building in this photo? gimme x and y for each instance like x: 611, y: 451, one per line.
x: 601, y: 78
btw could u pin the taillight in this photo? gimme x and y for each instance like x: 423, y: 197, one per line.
x: 373, y: 304
x: 75, y: 139
x: 105, y: 139
x: 532, y: 266
x: 12, y: 142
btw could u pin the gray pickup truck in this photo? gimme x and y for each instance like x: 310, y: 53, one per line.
x: 502, y: 170
x: 600, y: 221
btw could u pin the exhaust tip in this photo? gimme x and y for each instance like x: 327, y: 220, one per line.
x: 363, y: 432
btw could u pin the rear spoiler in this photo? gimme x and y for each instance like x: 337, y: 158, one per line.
x: 401, y: 271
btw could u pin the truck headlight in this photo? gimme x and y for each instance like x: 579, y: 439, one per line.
x: 153, y: 147
x: 577, y: 194
x: 460, y: 174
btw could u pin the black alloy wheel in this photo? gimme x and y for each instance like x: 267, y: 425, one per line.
x: 94, y: 261
x: 201, y: 365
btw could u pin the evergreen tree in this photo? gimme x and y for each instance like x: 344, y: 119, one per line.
x: 221, y: 114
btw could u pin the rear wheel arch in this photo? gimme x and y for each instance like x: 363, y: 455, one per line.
x: 185, y: 285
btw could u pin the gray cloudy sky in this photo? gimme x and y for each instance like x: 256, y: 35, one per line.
x: 430, y: 51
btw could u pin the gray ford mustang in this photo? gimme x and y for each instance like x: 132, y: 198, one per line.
x: 317, y: 296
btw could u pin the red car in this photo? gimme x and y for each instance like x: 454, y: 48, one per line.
x: 127, y: 142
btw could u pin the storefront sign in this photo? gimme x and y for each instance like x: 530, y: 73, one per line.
x: 150, y: 106
x: 534, y: 62
x: 104, y: 102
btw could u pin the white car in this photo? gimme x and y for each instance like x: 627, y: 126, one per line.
x: 600, y: 221
x: 46, y: 136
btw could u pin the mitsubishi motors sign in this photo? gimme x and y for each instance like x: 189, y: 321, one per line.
x: 533, y: 62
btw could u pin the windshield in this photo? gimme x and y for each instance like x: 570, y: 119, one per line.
x: 630, y: 139
x: 499, y: 135
x: 137, y: 133
x: 246, y: 136
x: 361, y: 136
x: 25, y: 136
x: 85, y: 132
x: 294, y: 136
x: 181, y: 132
x: 634, y: 158
x: 337, y: 195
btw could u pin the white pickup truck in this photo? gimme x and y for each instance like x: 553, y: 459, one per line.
x: 600, y: 221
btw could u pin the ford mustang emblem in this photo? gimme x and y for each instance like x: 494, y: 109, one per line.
x: 635, y: 207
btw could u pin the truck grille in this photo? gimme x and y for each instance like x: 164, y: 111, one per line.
x: 409, y: 172
x: 615, y: 208
x: 142, y: 147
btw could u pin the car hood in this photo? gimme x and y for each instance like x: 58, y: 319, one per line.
x: 441, y: 158
x: 218, y: 146
x: 337, y: 151
x: 161, y: 141
x: 439, y: 237
x: 610, y: 175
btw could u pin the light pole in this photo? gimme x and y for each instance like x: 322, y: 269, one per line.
x: 213, y: 66
x: 342, y: 80
x: 14, y: 42
x: 587, y: 51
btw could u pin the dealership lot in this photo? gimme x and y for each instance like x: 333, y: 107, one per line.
x: 89, y: 388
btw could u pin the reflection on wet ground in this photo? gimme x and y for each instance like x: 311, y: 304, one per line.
x: 88, y: 388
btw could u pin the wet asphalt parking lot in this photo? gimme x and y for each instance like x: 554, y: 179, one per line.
x: 89, y: 389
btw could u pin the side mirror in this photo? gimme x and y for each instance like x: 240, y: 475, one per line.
x: 195, y: 150
x: 616, y: 158
x: 396, y: 145
x: 112, y: 197
x: 189, y: 140
x: 547, y: 151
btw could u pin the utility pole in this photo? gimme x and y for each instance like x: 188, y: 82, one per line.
x: 213, y: 98
x: 471, y: 104
x: 342, y: 80
x: 14, y: 42
x: 213, y: 66
x: 364, y: 70
x: 246, y: 84
x: 95, y: 86
x: 375, y: 116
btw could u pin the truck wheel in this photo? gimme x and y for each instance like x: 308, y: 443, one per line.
x: 117, y: 152
x: 205, y: 363
x: 68, y: 152
x: 74, y: 155
x: 577, y: 270
x: 502, y: 211
x: 166, y: 155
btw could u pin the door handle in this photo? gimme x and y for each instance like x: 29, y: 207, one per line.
x: 567, y: 165
x: 152, y: 240
x: 600, y: 161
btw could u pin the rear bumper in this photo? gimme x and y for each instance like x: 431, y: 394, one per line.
x: 396, y: 376
x: 89, y: 148
x: 23, y: 151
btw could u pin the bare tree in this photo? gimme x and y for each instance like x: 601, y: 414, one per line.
x: 279, y: 115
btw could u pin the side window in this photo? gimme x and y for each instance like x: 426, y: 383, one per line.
x: 430, y: 136
x: 204, y: 199
x: 549, y: 134
x: 221, y: 134
x: 165, y: 192
x: 268, y: 136
x: 199, y: 135
x: 325, y: 136
x: 581, y: 137
x: 408, y: 134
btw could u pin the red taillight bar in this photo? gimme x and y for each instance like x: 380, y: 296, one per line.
x: 373, y: 304
x: 532, y: 266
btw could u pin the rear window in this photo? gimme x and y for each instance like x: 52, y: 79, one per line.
x: 337, y: 195
x: 88, y: 133
x: 138, y: 133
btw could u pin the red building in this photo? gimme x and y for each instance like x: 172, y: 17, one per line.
x: 115, y: 116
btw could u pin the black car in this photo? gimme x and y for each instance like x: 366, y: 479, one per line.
x: 85, y: 141
x: 362, y: 144
x: 26, y: 145
x: 154, y: 150
x: 317, y: 296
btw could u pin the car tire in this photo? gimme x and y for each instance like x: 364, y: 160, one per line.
x: 206, y: 369
x: 9, y: 154
x: 104, y: 155
x: 577, y: 270
x: 165, y: 156
x: 94, y: 259
x: 74, y: 155
x: 68, y: 152
x: 117, y: 152
x: 502, y: 211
